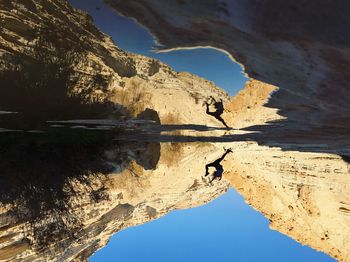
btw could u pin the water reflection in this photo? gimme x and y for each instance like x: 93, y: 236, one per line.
x: 68, y: 183
x: 64, y: 189
x: 44, y: 176
x: 64, y: 193
x: 219, y: 170
x: 76, y: 167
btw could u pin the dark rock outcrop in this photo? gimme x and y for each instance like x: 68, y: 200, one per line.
x: 301, y: 47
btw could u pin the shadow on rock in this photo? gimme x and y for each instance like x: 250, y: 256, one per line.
x: 43, y: 176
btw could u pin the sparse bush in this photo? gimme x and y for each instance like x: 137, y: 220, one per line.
x: 196, y: 97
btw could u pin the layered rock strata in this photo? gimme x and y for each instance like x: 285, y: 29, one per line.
x: 301, y: 47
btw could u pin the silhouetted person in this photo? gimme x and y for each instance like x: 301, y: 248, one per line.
x: 216, y: 164
x: 219, y: 109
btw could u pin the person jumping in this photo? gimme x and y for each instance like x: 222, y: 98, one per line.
x: 219, y: 109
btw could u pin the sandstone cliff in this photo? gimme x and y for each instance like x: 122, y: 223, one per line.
x: 130, y: 197
x: 134, y: 81
x: 301, y: 47
x: 100, y: 205
x: 299, y: 53
x: 248, y: 107
x: 303, y: 194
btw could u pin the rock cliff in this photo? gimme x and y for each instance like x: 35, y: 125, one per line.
x: 86, y: 210
x: 301, y: 47
x: 104, y: 205
x: 132, y: 80
x: 297, y: 55
x: 304, y: 194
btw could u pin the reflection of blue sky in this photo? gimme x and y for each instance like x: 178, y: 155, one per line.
x: 128, y: 35
x: 226, y: 229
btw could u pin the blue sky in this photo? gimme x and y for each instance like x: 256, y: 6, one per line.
x: 130, y: 36
x: 226, y: 229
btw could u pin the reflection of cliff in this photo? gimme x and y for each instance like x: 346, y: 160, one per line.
x: 44, y: 175
x: 304, y: 195
x: 301, y: 48
x: 96, y: 205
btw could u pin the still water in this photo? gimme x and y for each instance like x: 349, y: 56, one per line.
x: 76, y: 185
x: 226, y: 229
x: 65, y: 192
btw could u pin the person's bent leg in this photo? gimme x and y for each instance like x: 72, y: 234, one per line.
x: 222, y: 121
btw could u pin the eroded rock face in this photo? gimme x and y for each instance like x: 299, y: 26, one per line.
x: 72, y: 217
x: 301, y: 47
x: 103, y: 72
x: 301, y: 61
x: 101, y: 205
x: 248, y: 107
x: 304, y: 195
x: 178, y: 98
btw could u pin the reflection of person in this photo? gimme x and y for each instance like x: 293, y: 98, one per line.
x: 219, y: 109
x: 216, y: 164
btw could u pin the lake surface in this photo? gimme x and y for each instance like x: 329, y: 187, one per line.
x: 226, y: 229
x: 88, y: 180
x: 55, y: 184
